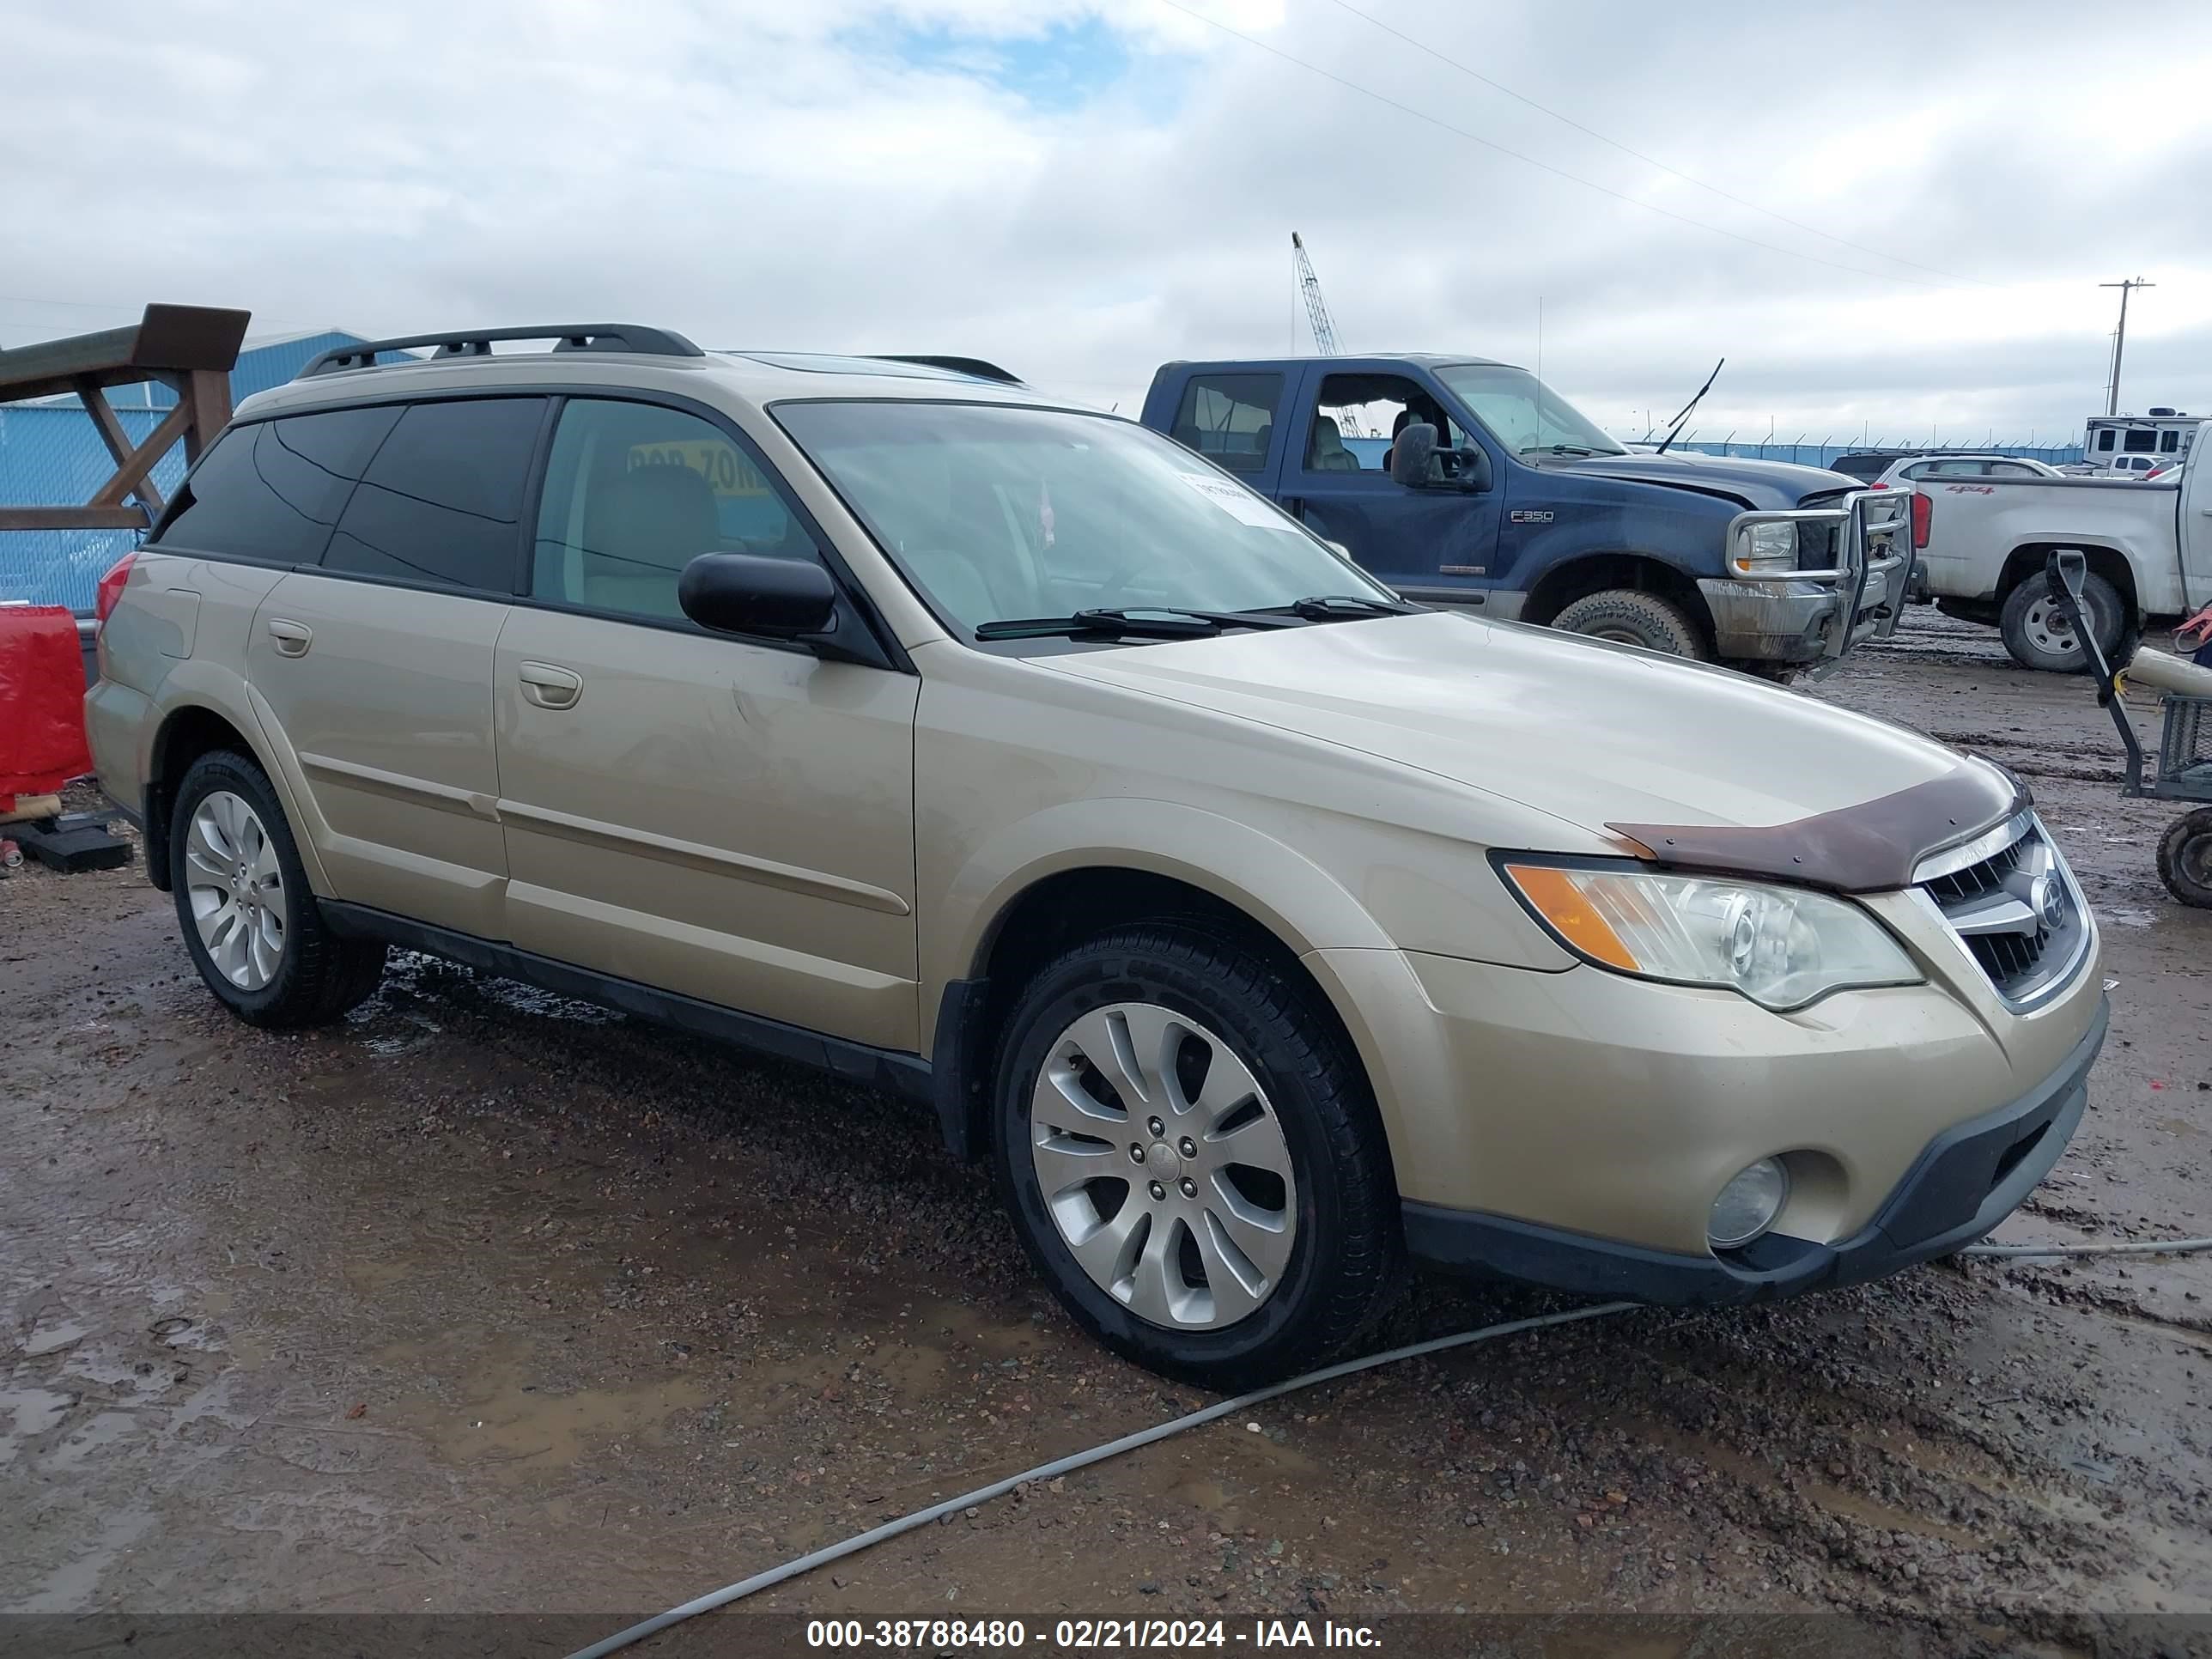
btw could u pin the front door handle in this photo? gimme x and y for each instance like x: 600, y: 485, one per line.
x: 292, y: 638
x: 550, y: 686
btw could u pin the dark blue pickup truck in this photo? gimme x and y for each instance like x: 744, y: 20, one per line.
x: 1468, y: 483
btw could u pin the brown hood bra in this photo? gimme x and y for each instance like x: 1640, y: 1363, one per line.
x: 1865, y: 848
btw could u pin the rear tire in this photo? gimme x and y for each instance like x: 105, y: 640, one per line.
x: 1259, y: 1233
x: 1627, y: 616
x: 249, y: 920
x: 2038, y: 636
x: 2184, y: 859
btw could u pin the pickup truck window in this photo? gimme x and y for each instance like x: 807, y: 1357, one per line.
x: 1524, y: 414
x: 999, y: 511
x: 1377, y: 407
x: 1229, y: 418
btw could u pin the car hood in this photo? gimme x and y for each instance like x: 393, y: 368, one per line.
x: 1605, y: 736
x: 1765, y: 485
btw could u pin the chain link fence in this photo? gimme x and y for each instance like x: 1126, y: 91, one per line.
x: 51, y: 456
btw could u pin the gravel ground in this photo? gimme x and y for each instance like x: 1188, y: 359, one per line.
x: 488, y: 1301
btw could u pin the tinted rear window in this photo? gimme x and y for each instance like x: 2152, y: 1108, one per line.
x: 272, y: 490
x: 442, y: 501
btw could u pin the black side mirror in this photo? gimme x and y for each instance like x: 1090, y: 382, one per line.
x: 1413, y: 456
x: 744, y: 593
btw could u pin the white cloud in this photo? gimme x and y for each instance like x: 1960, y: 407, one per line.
x: 855, y: 174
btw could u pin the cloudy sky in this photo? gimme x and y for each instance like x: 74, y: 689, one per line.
x: 1890, y: 219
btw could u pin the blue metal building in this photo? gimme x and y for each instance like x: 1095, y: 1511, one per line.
x: 50, y: 454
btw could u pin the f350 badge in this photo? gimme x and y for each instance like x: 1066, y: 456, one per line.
x: 1530, y: 515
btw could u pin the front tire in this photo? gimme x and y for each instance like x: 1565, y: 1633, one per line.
x: 1630, y: 618
x: 249, y: 920
x: 2184, y: 859
x: 1194, y: 1161
x: 2037, y: 635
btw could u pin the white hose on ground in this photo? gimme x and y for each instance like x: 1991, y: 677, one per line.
x: 854, y: 1546
x: 822, y: 1558
x: 2147, y: 1246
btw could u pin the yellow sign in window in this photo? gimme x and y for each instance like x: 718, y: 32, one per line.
x: 720, y: 463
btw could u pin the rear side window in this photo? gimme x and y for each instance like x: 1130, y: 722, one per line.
x: 442, y: 501
x: 1229, y: 418
x: 272, y: 490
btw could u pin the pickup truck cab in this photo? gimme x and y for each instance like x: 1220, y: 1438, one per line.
x: 2149, y: 546
x: 1530, y: 512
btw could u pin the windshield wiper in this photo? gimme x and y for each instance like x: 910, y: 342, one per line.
x: 1335, y: 607
x: 1565, y: 449
x: 1146, y: 622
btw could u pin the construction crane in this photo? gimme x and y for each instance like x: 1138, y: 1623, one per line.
x: 1324, y: 332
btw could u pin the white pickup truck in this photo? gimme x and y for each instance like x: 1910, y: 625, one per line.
x: 1984, y: 542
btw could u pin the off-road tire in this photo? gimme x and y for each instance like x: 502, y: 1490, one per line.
x: 1630, y: 617
x: 2101, y: 607
x: 319, y: 976
x: 2184, y: 859
x: 1347, y: 1263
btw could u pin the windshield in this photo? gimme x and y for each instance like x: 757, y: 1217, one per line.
x: 998, y: 512
x: 1522, y: 412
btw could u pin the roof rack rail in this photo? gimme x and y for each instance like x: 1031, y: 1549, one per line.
x: 975, y: 365
x: 476, y: 342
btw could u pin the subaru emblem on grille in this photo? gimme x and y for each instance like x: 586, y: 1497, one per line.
x: 2049, y: 898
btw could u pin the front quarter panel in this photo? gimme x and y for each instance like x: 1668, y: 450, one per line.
x: 1022, y: 772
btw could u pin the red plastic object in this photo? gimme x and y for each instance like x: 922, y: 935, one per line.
x: 1924, y: 514
x: 41, y: 700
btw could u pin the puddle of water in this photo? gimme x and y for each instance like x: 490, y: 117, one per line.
x: 47, y: 1339
x: 105, y: 1429
x: 494, y: 1418
x: 33, y: 1410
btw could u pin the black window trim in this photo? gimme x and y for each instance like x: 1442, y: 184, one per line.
x: 319, y: 569
x: 855, y: 609
x: 881, y: 644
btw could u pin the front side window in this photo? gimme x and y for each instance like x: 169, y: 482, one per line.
x: 1229, y: 418
x: 1357, y: 417
x: 998, y: 512
x: 1524, y: 414
x: 634, y: 492
x: 272, y: 490
x: 442, y: 501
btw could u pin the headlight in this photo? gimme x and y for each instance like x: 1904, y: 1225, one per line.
x: 1768, y: 546
x: 1780, y: 946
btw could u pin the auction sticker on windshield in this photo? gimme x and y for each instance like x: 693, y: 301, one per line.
x: 1238, y: 502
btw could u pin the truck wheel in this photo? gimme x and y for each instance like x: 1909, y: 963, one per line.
x: 1194, y: 1161
x: 2184, y: 859
x: 1630, y: 617
x: 2037, y: 635
x: 250, y: 922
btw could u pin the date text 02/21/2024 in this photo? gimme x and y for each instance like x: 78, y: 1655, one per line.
x: 1084, y: 1635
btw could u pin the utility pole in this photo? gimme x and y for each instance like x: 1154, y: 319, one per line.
x: 2120, y: 339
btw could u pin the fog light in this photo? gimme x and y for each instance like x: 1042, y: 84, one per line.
x: 1748, y: 1204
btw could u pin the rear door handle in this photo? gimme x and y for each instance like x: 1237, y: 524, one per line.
x: 292, y: 638
x: 549, y: 685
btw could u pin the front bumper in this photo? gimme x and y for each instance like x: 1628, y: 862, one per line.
x: 1964, y: 1181
x: 1797, y: 621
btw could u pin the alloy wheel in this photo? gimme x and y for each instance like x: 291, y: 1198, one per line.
x: 235, y: 887
x: 1164, y: 1166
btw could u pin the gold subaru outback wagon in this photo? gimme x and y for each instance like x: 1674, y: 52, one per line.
x: 1263, y: 930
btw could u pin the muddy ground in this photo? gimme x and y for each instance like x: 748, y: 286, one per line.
x: 490, y: 1301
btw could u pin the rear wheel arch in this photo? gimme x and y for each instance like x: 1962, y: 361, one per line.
x: 2025, y: 563
x: 186, y: 733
